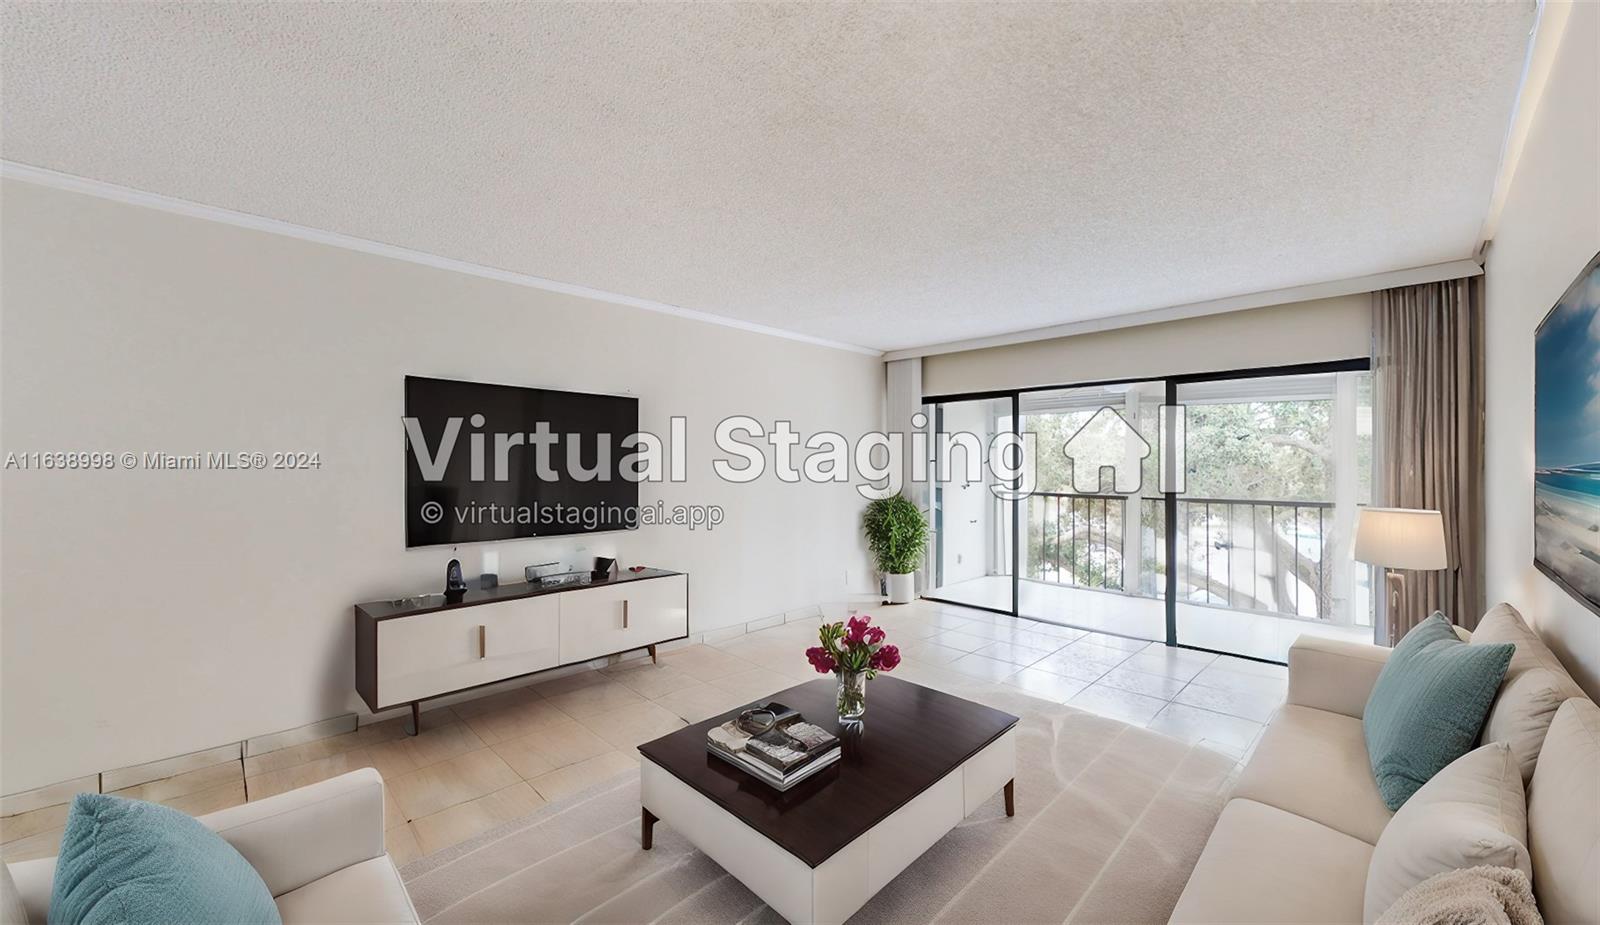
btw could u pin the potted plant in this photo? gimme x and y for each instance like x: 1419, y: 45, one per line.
x: 897, y: 535
x: 855, y: 652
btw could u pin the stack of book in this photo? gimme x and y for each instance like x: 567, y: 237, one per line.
x: 781, y: 756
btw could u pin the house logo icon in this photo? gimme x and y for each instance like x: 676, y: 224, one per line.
x: 1106, y: 441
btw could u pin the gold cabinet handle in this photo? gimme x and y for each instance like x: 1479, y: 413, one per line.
x: 483, y: 641
x: 624, y: 613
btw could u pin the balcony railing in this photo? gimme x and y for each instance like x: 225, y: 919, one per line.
x: 1080, y: 542
x: 1241, y: 553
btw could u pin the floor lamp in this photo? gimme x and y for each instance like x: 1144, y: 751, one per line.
x: 1400, y: 538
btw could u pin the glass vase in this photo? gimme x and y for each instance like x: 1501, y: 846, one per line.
x: 852, y: 695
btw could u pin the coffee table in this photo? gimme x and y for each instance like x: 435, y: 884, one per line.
x: 919, y: 764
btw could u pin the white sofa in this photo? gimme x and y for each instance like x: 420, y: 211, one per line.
x: 319, y: 849
x: 1294, y: 842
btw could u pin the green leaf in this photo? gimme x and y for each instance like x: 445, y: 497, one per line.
x: 897, y: 534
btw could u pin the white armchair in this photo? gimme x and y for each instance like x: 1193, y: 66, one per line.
x: 319, y: 849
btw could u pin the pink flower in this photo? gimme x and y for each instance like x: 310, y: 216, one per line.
x: 857, y: 631
x: 874, y: 635
x: 820, y: 659
x: 886, y: 658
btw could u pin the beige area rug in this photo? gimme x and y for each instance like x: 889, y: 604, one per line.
x: 1110, y: 820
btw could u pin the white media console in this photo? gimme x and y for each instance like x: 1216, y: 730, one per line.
x: 412, y: 650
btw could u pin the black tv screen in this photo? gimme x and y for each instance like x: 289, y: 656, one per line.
x: 473, y: 462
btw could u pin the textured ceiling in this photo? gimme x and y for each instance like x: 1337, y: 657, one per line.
x: 882, y: 175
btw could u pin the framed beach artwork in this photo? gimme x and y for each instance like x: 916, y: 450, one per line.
x: 1566, y: 440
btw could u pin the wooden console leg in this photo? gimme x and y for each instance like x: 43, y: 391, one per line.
x: 647, y: 826
x: 652, y: 654
x: 1011, y: 797
x: 416, y: 718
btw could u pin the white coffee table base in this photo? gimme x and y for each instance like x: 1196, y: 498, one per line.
x: 835, y: 889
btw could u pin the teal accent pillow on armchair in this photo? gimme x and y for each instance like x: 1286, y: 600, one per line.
x: 1428, y: 705
x: 126, y: 861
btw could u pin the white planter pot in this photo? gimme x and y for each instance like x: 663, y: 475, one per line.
x: 902, y: 588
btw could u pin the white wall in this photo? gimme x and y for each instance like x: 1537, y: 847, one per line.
x: 1302, y: 332
x: 147, y: 614
x: 1548, y: 231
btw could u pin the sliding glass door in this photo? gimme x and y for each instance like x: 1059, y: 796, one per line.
x: 1275, y: 469
x: 1209, y: 511
x: 1091, y: 539
x: 972, y: 521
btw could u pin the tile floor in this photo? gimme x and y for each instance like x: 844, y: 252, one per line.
x: 1220, y: 702
x: 487, y: 761
x: 1259, y: 635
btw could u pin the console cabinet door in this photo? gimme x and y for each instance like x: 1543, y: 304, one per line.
x: 592, y: 623
x: 658, y: 610
x: 635, y: 614
x: 439, y: 652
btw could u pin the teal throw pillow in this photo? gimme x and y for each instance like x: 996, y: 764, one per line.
x: 127, y: 861
x: 1428, y: 705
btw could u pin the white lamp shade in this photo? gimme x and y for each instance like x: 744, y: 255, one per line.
x: 1395, y: 537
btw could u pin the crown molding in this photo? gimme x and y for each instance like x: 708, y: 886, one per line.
x: 72, y: 183
x: 55, y: 179
x: 1431, y: 273
x: 1544, y: 41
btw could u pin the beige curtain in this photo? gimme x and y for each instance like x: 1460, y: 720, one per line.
x: 1428, y: 359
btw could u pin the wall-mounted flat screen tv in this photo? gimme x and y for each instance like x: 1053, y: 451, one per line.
x: 499, y: 462
x: 1566, y: 440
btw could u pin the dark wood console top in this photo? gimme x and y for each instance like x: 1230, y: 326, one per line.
x: 912, y: 737
x: 411, y: 606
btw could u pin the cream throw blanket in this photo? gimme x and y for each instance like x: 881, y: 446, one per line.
x: 1474, y: 896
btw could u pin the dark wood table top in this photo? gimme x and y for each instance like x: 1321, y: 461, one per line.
x: 429, y: 603
x: 912, y: 736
